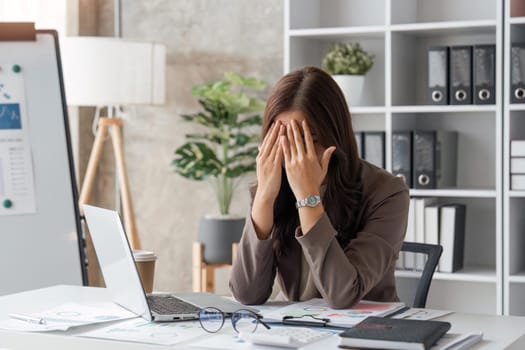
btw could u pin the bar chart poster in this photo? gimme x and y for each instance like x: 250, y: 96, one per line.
x: 17, y: 192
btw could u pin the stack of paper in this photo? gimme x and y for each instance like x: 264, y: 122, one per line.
x: 69, y: 315
x: 455, y: 341
x: 141, y: 331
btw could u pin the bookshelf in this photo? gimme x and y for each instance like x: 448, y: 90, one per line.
x: 398, y: 33
x: 513, y: 200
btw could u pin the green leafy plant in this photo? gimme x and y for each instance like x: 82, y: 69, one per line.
x: 346, y: 58
x: 228, y: 149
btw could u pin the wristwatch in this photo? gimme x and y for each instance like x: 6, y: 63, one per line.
x: 310, y: 201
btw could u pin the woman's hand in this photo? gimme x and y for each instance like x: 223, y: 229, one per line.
x: 304, y: 170
x: 269, y: 174
x: 269, y: 164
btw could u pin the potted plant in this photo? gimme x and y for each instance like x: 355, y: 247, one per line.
x: 222, y: 154
x: 348, y: 63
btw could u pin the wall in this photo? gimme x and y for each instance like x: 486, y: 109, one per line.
x: 204, y: 39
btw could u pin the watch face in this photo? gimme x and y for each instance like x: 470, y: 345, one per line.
x: 312, y: 200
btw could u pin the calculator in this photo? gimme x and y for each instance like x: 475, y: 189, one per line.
x: 289, y: 337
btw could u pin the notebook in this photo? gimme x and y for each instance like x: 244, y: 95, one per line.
x: 123, y: 281
x: 389, y: 333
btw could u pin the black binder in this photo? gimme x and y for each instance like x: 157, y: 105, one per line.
x: 452, y: 237
x: 402, y: 155
x: 374, y: 147
x: 460, y: 75
x: 437, y: 88
x: 434, y: 159
x: 517, y: 74
x: 484, y: 74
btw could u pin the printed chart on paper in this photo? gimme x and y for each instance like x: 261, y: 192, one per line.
x: 17, y: 192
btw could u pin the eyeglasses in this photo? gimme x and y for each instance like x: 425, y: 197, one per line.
x: 246, y: 321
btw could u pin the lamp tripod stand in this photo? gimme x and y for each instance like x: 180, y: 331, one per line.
x: 114, y: 125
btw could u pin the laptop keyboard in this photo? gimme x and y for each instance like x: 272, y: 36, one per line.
x: 168, y: 305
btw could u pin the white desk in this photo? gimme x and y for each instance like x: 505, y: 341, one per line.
x: 498, y: 331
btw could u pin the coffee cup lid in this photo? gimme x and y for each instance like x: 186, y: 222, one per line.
x: 144, y: 255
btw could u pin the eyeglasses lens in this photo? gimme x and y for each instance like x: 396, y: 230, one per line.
x: 211, y: 319
x: 244, y: 321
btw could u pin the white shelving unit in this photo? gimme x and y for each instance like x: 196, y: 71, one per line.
x: 513, y: 201
x: 395, y: 99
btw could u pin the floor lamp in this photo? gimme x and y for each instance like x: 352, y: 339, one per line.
x: 112, y: 73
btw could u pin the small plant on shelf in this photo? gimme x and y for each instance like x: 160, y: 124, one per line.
x: 347, y: 59
x: 348, y: 63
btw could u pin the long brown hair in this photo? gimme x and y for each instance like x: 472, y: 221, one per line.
x: 313, y: 92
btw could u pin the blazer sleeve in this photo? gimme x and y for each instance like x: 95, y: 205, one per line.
x: 253, y: 271
x: 343, y: 277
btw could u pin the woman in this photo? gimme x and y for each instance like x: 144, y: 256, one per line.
x: 328, y: 223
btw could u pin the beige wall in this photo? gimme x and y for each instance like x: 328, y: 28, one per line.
x: 204, y: 39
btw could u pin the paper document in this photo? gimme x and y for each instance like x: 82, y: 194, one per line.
x: 142, y: 331
x: 69, y: 315
x: 319, y: 309
x: 453, y: 341
x: 421, y: 314
x: 226, y: 342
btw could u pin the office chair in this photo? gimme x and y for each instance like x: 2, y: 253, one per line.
x: 433, y: 253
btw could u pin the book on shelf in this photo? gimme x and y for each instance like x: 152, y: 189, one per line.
x: 438, y: 77
x: 460, y: 88
x: 435, y: 223
x: 517, y: 182
x: 517, y: 148
x: 484, y: 74
x: 452, y: 237
x: 432, y: 223
x: 359, y: 142
x: 402, y: 155
x: 421, y: 204
x: 517, y: 64
x: 391, y: 333
x: 316, y: 312
x: 434, y: 159
x: 407, y: 260
x: 517, y: 165
x: 416, y: 232
x: 373, y: 147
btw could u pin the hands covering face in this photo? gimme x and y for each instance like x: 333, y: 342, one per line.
x: 304, y: 170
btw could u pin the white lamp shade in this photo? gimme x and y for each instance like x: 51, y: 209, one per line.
x: 103, y: 71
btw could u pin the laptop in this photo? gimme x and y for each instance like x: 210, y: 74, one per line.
x: 123, y: 281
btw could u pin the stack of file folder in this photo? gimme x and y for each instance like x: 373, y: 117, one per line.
x: 517, y: 164
x: 460, y: 75
x: 371, y: 147
x: 425, y: 159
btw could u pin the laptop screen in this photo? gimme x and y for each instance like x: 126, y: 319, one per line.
x: 116, y: 260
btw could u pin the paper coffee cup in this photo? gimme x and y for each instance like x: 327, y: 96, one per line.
x: 145, y: 261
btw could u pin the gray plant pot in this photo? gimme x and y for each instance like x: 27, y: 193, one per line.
x: 217, y: 235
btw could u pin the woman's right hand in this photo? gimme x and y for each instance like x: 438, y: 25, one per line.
x: 269, y: 173
x: 269, y: 164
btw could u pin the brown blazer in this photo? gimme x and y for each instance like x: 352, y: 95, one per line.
x: 363, y: 270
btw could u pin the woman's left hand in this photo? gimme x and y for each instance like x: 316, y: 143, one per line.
x: 304, y: 170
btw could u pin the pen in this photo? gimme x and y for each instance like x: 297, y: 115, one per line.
x: 27, y: 318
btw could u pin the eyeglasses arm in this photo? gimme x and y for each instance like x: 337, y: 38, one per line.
x: 266, y: 325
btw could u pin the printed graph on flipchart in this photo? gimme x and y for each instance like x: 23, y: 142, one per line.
x: 17, y: 192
